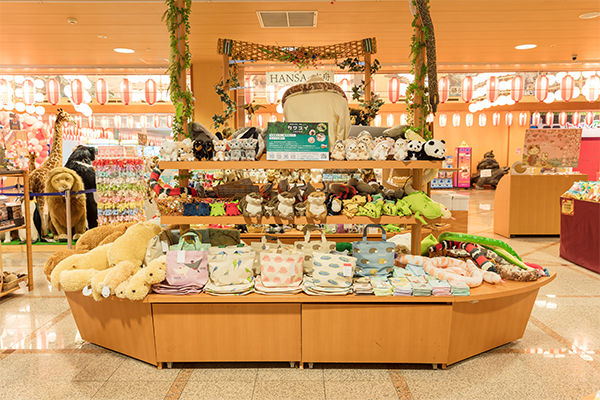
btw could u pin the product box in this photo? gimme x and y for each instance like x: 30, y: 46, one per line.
x: 14, y: 210
x: 297, y: 141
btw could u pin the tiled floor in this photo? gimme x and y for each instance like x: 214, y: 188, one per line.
x: 43, y: 357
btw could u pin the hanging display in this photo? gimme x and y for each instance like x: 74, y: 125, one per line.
x: 76, y: 92
x: 101, y: 91
x: 394, y: 89
x: 444, y: 89
x: 567, y: 86
x: 541, y: 88
x: 523, y: 116
x: 150, y: 92
x: 467, y: 89
x: 126, y: 91
x: 508, y: 119
x: 517, y: 85
x: 493, y: 90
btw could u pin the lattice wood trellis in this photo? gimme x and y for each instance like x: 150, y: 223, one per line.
x: 238, y: 50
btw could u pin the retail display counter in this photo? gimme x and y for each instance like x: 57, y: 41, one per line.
x: 301, y: 328
x: 529, y: 204
x: 580, y: 233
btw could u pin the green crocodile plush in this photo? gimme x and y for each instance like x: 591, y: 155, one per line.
x: 403, y: 208
x: 371, y: 209
x: 422, y: 206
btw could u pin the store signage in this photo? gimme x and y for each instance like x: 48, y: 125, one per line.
x: 567, y: 206
x: 295, y: 77
x: 297, y: 141
x: 485, y: 173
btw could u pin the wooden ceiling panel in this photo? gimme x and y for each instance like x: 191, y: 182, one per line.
x: 477, y: 32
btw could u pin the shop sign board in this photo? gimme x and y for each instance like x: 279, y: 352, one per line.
x: 296, y: 77
x: 297, y: 141
x: 567, y: 206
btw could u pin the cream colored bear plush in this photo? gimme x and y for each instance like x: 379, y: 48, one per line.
x: 96, y: 259
x: 140, y: 284
x: 133, y: 244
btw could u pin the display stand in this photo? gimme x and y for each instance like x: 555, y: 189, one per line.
x: 580, y: 233
x: 22, y: 174
x: 529, y: 204
x: 308, y: 329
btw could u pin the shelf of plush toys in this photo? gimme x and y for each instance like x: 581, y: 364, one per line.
x: 332, y: 164
x: 331, y: 219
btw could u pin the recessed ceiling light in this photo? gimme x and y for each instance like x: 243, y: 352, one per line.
x: 526, y: 46
x: 123, y: 50
x: 102, y: 37
x: 590, y: 15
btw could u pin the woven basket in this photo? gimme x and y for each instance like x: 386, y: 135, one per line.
x: 172, y: 206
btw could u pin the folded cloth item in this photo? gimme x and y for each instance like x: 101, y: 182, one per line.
x: 362, y: 288
x: 229, y: 290
x: 400, y: 272
x: 310, y: 288
x: 276, y: 290
x: 416, y: 270
x: 420, y: 286
x: 440, y: 287
x: 459, y: 288
x: 381, y: 286
x: 402, y: 286
x: 165, y: 288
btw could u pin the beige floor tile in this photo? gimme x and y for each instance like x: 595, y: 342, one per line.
x: 50, y: 367
x: 568, y: 369
x: 290, y: 374
x: 134, y: 370
x: 289, y: 390
x: 217, y: 390
x: 102, y: 367
x: 133, y: 390
x: 360, y: 390
x: 574, y: 391
x: 40, y: 389
x: 224, y: 374
x: 355, y: 372
x: 534, y: 338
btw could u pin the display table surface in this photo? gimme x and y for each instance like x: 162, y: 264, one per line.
x: 580, y: 234
x: 529, y: 204
x: 302, y: 328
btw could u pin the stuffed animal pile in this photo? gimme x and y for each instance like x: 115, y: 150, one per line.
x: 409, y: 147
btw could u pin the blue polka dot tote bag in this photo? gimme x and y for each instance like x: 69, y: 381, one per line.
x: 333, y: 270
x: 373, y: 258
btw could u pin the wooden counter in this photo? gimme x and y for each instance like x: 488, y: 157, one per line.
x: 530, y: 204
x: 368, y: 329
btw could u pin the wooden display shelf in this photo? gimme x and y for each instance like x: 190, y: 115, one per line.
x: 430, y: 330
x: 331, y: 219
x: 264, y: 164
x: 11, y: 228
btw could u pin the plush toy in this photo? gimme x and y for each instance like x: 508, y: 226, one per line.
x: 253, y: 205
x: 400, y: 150
x: 233, y: 208
x: 371, y: 209
x: 120, y: 290
x: 351, y: 150
x: 169, y: 151
x: 334, y: 205
x: 115, y: 276
x: 140, y: 284
x: 339, y: 150
x: 203, y: 209
x: 362, y: 187
x: 269, y: 207
x: 94, y: 259
x: 403, y: 208
x: 421, y: 205
x: 186, y: 150
x: 132, y: 245
x: 61, y: 179
x: 363, y: 151
x: 285, y: 208
x: 220, y: 147
x: 434, y: 150
x: 57, y: 257
x: 76, y: 280
x: 381, y: 151
x: 316, y: 175
x: 235, y: 150
x: 367, y: 138
x: 300, y: 209
x: 249, y: 147
x: 257, y: 143
x: 414, y: 148
x: 389, y: 208
x: 217, y: 209
x: 316, y: 206
x: 80, y: 161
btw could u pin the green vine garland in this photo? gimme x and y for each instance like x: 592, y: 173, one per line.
x: 368, y: 110
x: 230, y: 104
x: 181, y: 98
x: 416, y: 89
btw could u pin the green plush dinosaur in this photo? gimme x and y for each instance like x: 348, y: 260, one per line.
x: 217, y: 209
x: 389, y: 208
x: 422, y: 206
x: 372, y: 210
x: 392, y: 228
x: 403, y: 208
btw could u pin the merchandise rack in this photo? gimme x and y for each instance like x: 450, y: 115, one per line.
x: 308, y: 329
x: 22, y: 174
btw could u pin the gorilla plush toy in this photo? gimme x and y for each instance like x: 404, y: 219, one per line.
x: 81, y: 161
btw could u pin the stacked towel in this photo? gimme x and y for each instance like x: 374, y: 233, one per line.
x: 402, y: 286
x: 381, y: 286
x: 460, y: 288
x: 440, y: 287
x: 416, y: 270
x: 420, y: 286
x: 165, y: 288
x: 309, y: 287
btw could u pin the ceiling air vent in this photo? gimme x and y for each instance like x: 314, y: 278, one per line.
x: 287, y: 19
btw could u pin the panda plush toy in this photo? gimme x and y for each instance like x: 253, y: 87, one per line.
x: 414, y: 148
x: 433, y: 150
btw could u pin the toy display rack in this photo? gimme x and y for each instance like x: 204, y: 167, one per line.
x: 24, y: 175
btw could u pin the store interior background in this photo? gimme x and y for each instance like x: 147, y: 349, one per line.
x: 472, y: 37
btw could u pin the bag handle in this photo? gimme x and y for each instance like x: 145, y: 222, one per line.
x: 264, y: 238
x: 189, y: 234
x: 308, y: 229
x: 383, y: 233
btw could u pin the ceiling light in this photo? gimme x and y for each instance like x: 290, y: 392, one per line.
x: 526, y: 46
x: 102, y: 37
x: 72, y: 20
x: 123, y: 50
x: 590, y: 15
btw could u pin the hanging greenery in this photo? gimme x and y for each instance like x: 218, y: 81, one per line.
x: 230, y: 104
x: 176, y: 17
x: 300, y: 57
x: 252, y: 108
x: 416, y: 92
x: 368, y: 109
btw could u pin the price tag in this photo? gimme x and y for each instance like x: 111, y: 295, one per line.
x: 348, y: 271
x: 165, y: 246
x: 180, y: 256
x: 486, y: 173
x: 105, y: 292
x: 87, y: 290
x: 567, y: 207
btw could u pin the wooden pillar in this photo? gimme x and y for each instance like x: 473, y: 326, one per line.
x: 367, y: 77
x: 415, y: 234
x: 225, y: 79
x: 240, y: 99
x: 420, y: 61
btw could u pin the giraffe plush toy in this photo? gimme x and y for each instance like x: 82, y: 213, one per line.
x: 38, y: 178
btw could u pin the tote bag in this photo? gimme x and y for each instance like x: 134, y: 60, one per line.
x: 282, y: 267
x: 233, y: 269
x: 158, y: 246
x: 308, y: 248
x: 333, y: 270
x: 263, y: 245
x: 187, y: 267
x: 373, y: 258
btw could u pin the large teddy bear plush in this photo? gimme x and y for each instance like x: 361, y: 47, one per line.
x: 133, y: 244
